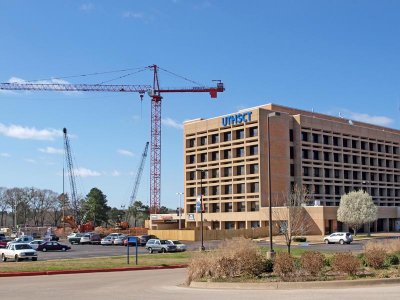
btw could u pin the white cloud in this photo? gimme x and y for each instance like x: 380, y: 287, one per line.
x: 50, y: 81
x: 115, y: 173
x: 29, y: 133
x: 87, y: 7
x: 83, y: 172
x: 125, y: 152
x: 30, y: 160
x: 132, y: 14
x: 377, y: 120
x: 51, y: 150
x: 171, y: 123
x: 4, y: 154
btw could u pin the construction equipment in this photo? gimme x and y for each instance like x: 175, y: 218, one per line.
x: 139, y: 175
x: 154, y: 92
x: 71, y: 171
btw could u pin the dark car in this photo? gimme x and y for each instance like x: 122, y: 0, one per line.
x: 131, y: 241
x: 52, y: 246
x: 144, y: 239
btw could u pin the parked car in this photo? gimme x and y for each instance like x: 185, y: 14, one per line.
x: 119, y: 241
x: 180, y: 247
x: 22, y: 239
x: 54, y: 237
x: 18, y: 251
x: 3, y: 241
x: 75, y: 238
x: 52, y: 246
x: 145, y: 238
x: 108, y: 240
x: 339, y: 237
x: 90, y: 238
x: 35, y: 243
x: 160, y: 246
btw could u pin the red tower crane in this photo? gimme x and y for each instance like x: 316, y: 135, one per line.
x: 155, y: 93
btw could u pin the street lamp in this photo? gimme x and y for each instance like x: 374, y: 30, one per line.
x: 180, y: 209
x: 201, y: 208
x: 271, y: 252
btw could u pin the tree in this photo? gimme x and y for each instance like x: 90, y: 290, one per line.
x: 357, y: 208
x: 95, y: 207
x: 139, y: 212
x: 292, y: 219
x: 3, y: 206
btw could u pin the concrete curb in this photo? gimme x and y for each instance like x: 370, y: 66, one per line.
x: 294, y: 285
x: 60, y: 272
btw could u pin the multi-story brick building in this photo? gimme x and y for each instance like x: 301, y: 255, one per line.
x: 329, y: 155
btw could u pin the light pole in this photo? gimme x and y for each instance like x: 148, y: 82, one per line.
x: 271, y: 252
x: 180, y: 209
x: 201, y: 208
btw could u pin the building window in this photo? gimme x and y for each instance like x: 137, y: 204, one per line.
x: 304, y: 154
x: 191, y: 143
x: 291, y: 153
x: 240, y: 170
x: 253, y: 132
x: 241, y: 207
x: 192, y: 175
x: 292, y: 170
x: 239, y: 152
x: 227, y: 154
x: 254, y: 169
x: 254, y: 187
x: 306, y: 171
x: 214, y: 138
x: 315, y: 138
x: 192, y: 159
x: 254, y: 150
x: 203, y: 141
x: 227, y: 136
x: 240, y: 134
x: 291, y: 138
x: 191, y: 192
x: 228, y: 171
x: 215, y: 190
x: 240, y: 188
x: 214, y: 155
x: 335, y: 141
x: 215, y: 173
x: 228, y: 207
x: 304, y: 136
x: 254, y: 206
x: 215, y: 207
x: 203, y: 157
x: 315, y: 155
x: 326, y: 139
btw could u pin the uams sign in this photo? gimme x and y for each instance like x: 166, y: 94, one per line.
x: 236, y: 119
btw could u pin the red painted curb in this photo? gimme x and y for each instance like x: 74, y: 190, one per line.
x: 14, y: 274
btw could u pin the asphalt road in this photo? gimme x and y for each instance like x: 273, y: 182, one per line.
x: 86, y: 251
x: 165, y: 285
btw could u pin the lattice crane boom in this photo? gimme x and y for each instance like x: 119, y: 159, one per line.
x: 154, y: 92
x: 139, y: 175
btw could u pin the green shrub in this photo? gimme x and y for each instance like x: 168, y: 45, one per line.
x: 361, y: 258
x: 312, y: 262
x: 299, y: 239
x: 346, y: 263
x: 375, y: 257
x: 284, y: 265
x: 328, y: 261
x: 391, y: 260
x: 269, y: 265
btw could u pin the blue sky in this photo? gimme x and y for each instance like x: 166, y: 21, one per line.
x: 328, y: 56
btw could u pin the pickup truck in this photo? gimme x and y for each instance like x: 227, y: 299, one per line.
x: 18, y: 251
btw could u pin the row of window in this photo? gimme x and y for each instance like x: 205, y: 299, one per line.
x: 224, y: 189
x: 340, y: 190
x: 223, y: 154
x: 350, y: 174
x: 319, y: 138
x: 227, y: 207
x: 225, y: 136
x: 239, y: 170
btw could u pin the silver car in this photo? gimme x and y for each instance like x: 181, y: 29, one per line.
x: 339, y: 237
x: 160, y: 246
x: 180, y: 247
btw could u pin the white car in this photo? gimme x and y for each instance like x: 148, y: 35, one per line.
x: 339, y: 237
x: 108, y: 240
x: 35, y: 243
x: 18, y: 251
x: 119, y: 240
x: 180, y: 247
x: 22, y: 239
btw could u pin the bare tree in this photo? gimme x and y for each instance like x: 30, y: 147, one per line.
x: 14, y: 198
x: 292, y: 219
x: 3, y: 206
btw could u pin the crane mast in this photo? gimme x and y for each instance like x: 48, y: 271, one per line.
x: 154, y: 92
x: 139, y: 175
x: 70, y: 166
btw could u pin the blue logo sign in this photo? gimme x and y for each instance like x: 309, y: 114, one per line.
x: 236, y: 119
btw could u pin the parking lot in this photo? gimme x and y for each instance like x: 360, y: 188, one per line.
x: 86, y: 251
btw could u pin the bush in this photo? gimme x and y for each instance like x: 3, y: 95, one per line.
x: 312, y: 262
x: 391, y: 260
x: 361, y: 258
x: 269, y: 266
x: 235, y: 258
x: 375, y: 257
x: 345, y: 263
x: 299, y: 239
x: 328, y: 261
x: 284, y: 265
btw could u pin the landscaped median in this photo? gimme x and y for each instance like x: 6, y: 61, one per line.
x: 90, y: 265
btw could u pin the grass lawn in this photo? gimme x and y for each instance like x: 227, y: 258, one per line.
x: 162, y: 259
